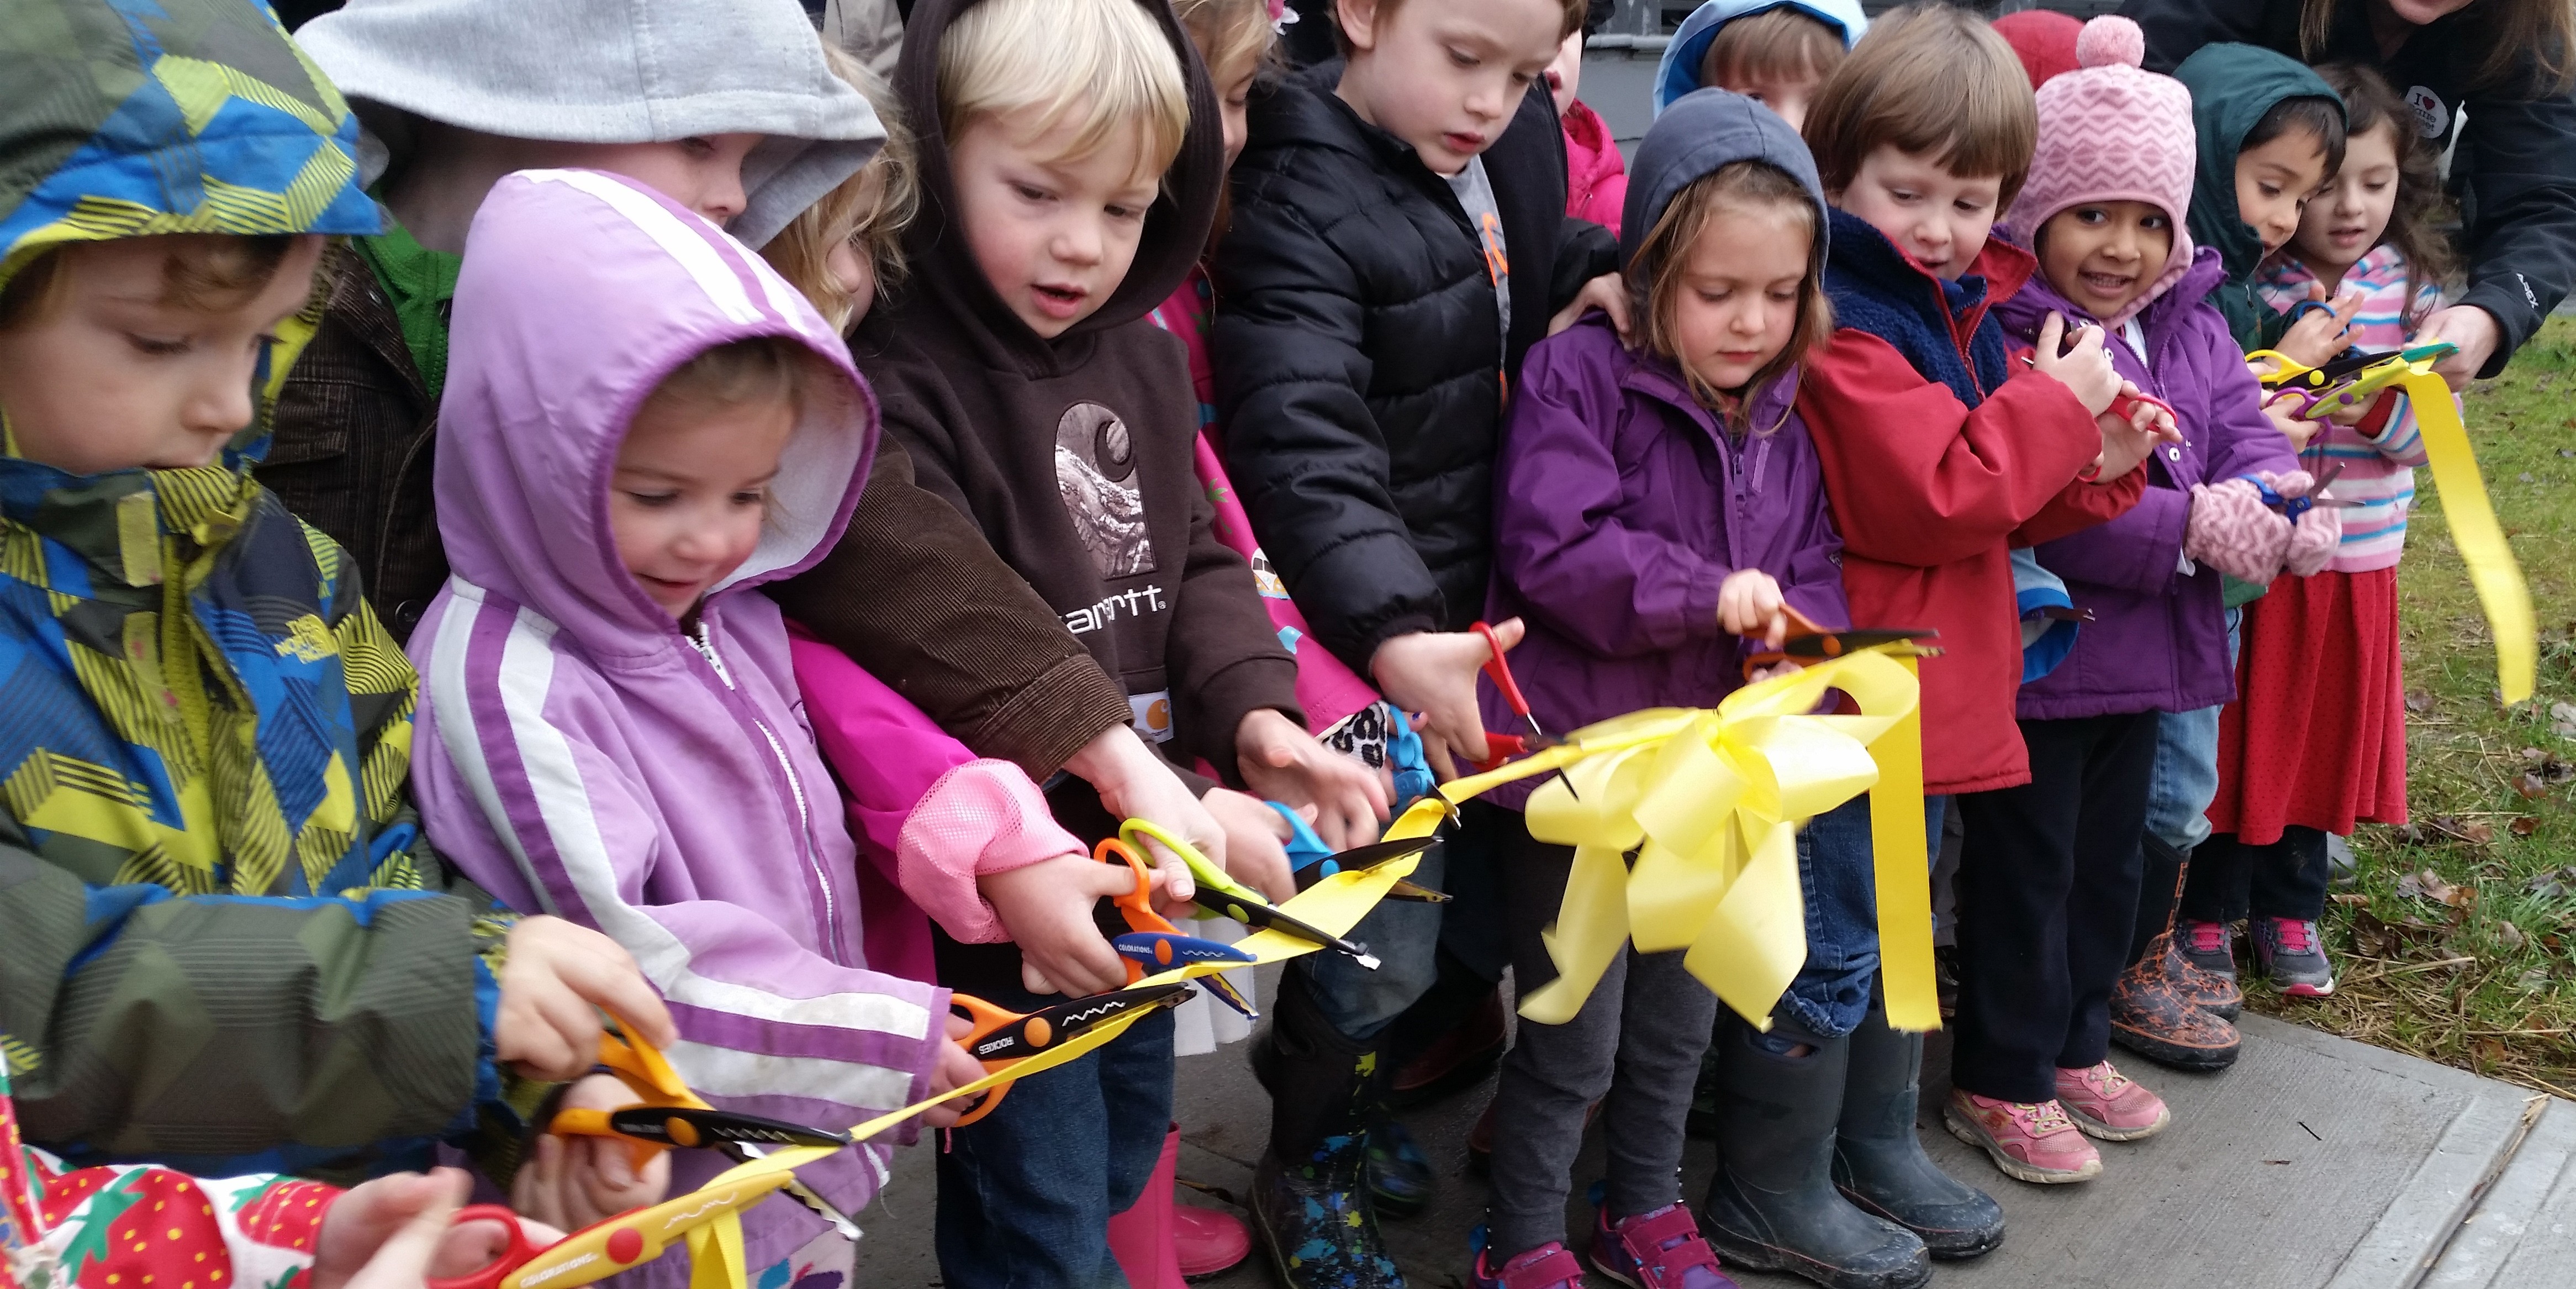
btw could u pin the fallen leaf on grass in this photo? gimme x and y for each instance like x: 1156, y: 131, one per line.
x: 2529, y: 785
x: 2532, y: 981
x: 2508, y: 935
x: 2562, y: 717
x: 2556, y: 884
x: 2525, y: 825
x: 2421, y: 700
x: 2430, y: 885
x: 2350, y: 900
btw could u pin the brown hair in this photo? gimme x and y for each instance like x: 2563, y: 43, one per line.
x: 1655, y: 272
x: 1227, y: 30
x: 1775, y: 42
x: 2505, y: 28
x: 1570, y: 24
x: 868, y: 210
x: 205, y: 273
x: 759, y: 371
x: 1928, y: 77
x: 2369, y: 103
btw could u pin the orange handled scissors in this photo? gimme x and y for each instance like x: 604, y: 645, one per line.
x: 1807, y: 643
x: 1001, y: 1038
x: 1151, y: 942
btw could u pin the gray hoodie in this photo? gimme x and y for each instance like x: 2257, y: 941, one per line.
x: 605, y: 71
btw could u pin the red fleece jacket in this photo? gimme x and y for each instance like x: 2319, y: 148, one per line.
x: 1932, y: 495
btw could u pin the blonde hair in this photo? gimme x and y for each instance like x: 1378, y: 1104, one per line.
x: 1102, y: 64
x: 1570, y: 23
x: 1928, y: 77
x: 867, y: 211
x: 1229, y: 31
x: 204, y: 273
x: 1655, y: 272
x: 759, y: 371
x: 1775, y: 42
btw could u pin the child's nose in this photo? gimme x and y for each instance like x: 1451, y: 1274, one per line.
x: 1080, y: 242
x: 218, y: 402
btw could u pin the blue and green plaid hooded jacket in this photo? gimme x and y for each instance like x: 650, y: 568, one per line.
x: 218, y: 951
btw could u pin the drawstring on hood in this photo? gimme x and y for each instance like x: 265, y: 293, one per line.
x: 606, y: 71
x: 552, y: 357
x: 1176, y: 226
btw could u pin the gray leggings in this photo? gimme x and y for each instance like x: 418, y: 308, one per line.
x: 1635, y: 1047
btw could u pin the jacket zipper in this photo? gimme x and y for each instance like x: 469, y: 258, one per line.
x: 795, y: 787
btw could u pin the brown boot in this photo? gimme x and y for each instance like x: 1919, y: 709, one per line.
x: 2156, y: 1012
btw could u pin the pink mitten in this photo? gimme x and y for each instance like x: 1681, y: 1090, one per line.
x: 2231, y: 530
x: 2313, y: 540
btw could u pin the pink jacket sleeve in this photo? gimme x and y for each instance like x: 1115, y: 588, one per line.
x: 918, y: 800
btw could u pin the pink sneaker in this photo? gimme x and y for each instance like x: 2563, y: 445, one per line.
x: 2035, y: 1142
x: 1549, y: 1266
x: 1658, y: 1250
x: 2108, y: 1104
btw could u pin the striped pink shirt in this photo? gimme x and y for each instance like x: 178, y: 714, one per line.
x: 2378, y: 469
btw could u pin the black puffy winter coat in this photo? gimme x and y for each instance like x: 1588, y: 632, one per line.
x: 1360, y: 377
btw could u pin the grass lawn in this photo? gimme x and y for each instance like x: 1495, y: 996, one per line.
x: 2459, y: 943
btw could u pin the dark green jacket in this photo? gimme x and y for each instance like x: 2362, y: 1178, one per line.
x: 2232, y: 86
x: 215, y: 948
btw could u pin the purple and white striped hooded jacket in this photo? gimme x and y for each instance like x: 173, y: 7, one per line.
x: 578, y: 753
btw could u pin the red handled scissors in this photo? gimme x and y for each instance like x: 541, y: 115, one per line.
x: 1503, y: 747
x: 607, y: 1247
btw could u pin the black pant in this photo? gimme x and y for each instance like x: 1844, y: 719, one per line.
x: 2230, y: 879
x: 2048, y: 886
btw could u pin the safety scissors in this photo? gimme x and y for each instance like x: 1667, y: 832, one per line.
x: 672, y: 1115
x: 2123, y: 405
x: 1807, y: 644
x: 1151, y: 943
x: 1223, y: 895
x: 1311, y: 861
x: 1000, y: 1038
x: 607, y: 1247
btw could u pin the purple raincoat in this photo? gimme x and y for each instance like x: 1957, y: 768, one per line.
x: 578, y: 754
x: 2159, y: 641
x: 1620, y: 506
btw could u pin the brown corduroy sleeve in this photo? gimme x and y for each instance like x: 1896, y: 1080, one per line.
x: 913, y: 594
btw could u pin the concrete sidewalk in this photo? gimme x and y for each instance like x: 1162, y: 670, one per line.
x: 2316, y: 1162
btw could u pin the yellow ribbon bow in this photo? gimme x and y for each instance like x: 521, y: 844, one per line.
x: 1710, y: 802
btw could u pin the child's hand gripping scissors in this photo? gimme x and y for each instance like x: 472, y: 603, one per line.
x: 1001, y: 1039
x: 672, y: 1115
x: 608, y: 1247
x: 1221, y: 894
x: 1806, y: 643
x: 1151, y: 942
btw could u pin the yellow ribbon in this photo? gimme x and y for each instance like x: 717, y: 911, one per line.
x: 1710, y: 801
x: 2492, y: 569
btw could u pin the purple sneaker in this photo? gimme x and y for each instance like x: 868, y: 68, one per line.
x: 1658, y: 1250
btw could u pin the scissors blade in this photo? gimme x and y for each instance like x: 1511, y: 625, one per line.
x: 1834, y: 644
x: 1254, y: 913
x: 1039, y: 1030
x: 689, y: 1126
x: 743, y: 1152
x: 1360, y: 859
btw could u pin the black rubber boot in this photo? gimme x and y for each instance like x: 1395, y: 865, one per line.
x: 1772, y: 1205
x: 1879, y: 1162
x: 1310, y: 1194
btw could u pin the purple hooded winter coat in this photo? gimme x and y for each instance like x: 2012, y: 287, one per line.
x: 578, y: 753
x: 2159, y: 638
x: 1620, y: 507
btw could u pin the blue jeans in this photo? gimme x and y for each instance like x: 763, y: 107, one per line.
x: 1026, y: 1194
x: 2185, y: 779
x: 1405, y: 936
x: 1839, y: 883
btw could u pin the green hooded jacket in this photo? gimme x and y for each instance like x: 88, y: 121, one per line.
x: 2232, y: 86
x: 218, y: 949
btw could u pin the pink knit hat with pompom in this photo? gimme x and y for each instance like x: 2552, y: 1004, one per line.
x: 2111, y: 131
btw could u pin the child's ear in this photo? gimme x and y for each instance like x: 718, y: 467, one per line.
x: 1358, y: 19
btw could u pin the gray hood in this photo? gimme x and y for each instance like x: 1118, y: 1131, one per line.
x: 1702, y: 132
x: 605, y: 71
